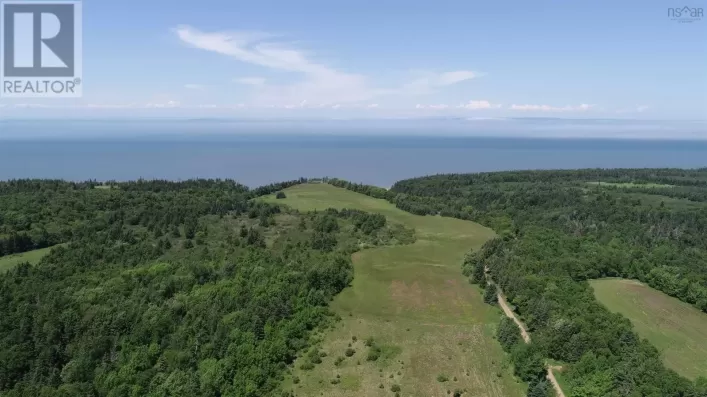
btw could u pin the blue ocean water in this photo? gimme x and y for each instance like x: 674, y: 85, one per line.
x: 271, y: 155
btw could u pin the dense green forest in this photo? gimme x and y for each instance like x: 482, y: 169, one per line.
x: 559, y: 228
x: 167, y: 288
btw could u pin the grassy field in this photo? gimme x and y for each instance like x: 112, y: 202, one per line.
x: 413, y: 300
x: 676, y: 328
x: 10, y: 261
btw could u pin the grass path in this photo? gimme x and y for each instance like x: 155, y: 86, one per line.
x: 428, y: 320
x: 33, y: 257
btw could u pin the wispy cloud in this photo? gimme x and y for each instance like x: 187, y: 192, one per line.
x: 471, y: 105
x: 163, y: 105
x: 319, y: 83
x: 426, y: 82
x: 548, y: 108
x: 433, y: 107
x: 199, y: 87
x: 250, y: 80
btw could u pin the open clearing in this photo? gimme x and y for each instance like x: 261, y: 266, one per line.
x: 413, y: 300
x: 676, y: 328
x: 33, y: 257
x: 630, y: 185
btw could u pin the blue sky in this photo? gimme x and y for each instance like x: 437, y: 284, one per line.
x: 386, y: 59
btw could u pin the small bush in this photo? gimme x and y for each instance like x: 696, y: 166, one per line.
x: 338, y: 361
x: 280, y: 195
x: 306, y: 366
x: 442, y: 378
x: 395, y: 388
x: 349, y: 352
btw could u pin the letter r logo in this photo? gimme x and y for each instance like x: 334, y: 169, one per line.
x: 38, y: 39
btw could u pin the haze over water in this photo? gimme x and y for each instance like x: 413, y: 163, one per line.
x: 264, y: 153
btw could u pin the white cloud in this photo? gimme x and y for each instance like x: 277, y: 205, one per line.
x: 433, y: 107
x: 635, y: 109
x: 476, y: 105
x: 199, y: 87
x: 250, y: 80
x: 163, y: 105
x: 547, y: 108
x: 471, y: 105
x: 319, y: 82
x: 373, y: 106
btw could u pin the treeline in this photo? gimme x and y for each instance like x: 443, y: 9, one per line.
x: 41, y: 213
x: 611, y: 232
x: 567, y: 323
x: 177, y: 291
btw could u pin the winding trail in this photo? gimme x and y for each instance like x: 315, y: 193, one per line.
x: 509, y: 313
x: 526, y: 337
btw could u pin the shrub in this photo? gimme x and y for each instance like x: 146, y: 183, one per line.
x: 442, y: 378
x: 280, y: 195
x: 349, y: 352
x: 490, y: 294
x: 395, y: 388
x: 373, y: 354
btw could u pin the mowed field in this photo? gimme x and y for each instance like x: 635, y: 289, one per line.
x: 10, y: 261
x: 676, y: 328
x: 428, y: 321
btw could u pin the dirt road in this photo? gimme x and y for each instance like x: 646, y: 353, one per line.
x: 526, y: 338
x: 551, y: 378
x: 509, y: 313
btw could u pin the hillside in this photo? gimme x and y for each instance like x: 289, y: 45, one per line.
x: 559, y: 229
x: 166, y: 289
x: 415, y: 306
